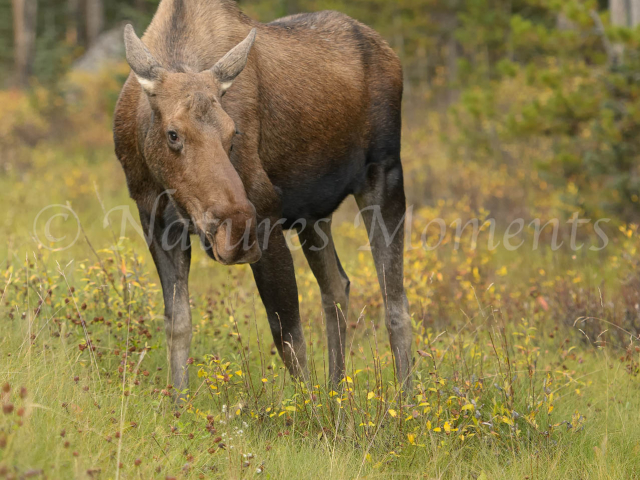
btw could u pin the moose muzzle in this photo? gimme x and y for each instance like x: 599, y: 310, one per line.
x: 234, y: 241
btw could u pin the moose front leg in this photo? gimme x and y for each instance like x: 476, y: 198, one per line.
x: 276, y: 281
x: 170, y: 248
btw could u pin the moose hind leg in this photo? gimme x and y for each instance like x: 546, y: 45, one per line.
x: 275, y: 278
x: 318, y: 247
x: 383, y: 207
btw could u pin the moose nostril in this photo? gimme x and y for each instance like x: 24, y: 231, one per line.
x: 209, y: 222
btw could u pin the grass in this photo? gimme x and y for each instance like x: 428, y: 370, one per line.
x: 527, y: 361
x: 493, y: 399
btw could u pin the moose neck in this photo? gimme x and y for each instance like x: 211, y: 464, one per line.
x: 191, y: 35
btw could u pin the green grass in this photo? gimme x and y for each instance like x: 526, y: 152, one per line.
x: 69, y: 399
x: 496, y: 337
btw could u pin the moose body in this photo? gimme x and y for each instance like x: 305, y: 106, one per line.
x: 236, y: 131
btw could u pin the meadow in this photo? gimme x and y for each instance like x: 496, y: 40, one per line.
x: 526, y: 356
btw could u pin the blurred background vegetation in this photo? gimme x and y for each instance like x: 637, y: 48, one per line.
x: 539, y: 98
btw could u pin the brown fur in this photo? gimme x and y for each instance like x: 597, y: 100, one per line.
x: 302, y: 103
x: 318, y: 107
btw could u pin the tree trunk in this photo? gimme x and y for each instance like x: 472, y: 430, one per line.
x: 635, y: 13
x: 72, y: 22
x: 620, y: 13
x: 95, y: 20
x: 24, y: 33
x: 625, y: 13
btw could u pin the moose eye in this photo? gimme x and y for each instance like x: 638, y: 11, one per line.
x: 173, y: 136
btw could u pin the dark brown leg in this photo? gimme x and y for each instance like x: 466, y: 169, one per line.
x: 317, y: 244
x: 383, y: 207
x: 170, y: 248
x: 275, y: 277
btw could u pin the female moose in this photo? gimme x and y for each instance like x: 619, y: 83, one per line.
x: 317, y: 98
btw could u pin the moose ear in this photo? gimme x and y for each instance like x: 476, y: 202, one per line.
x: 146, y: 68
x: 232, y: 64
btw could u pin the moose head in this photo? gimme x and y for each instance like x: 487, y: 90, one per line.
x: 188, y: 143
